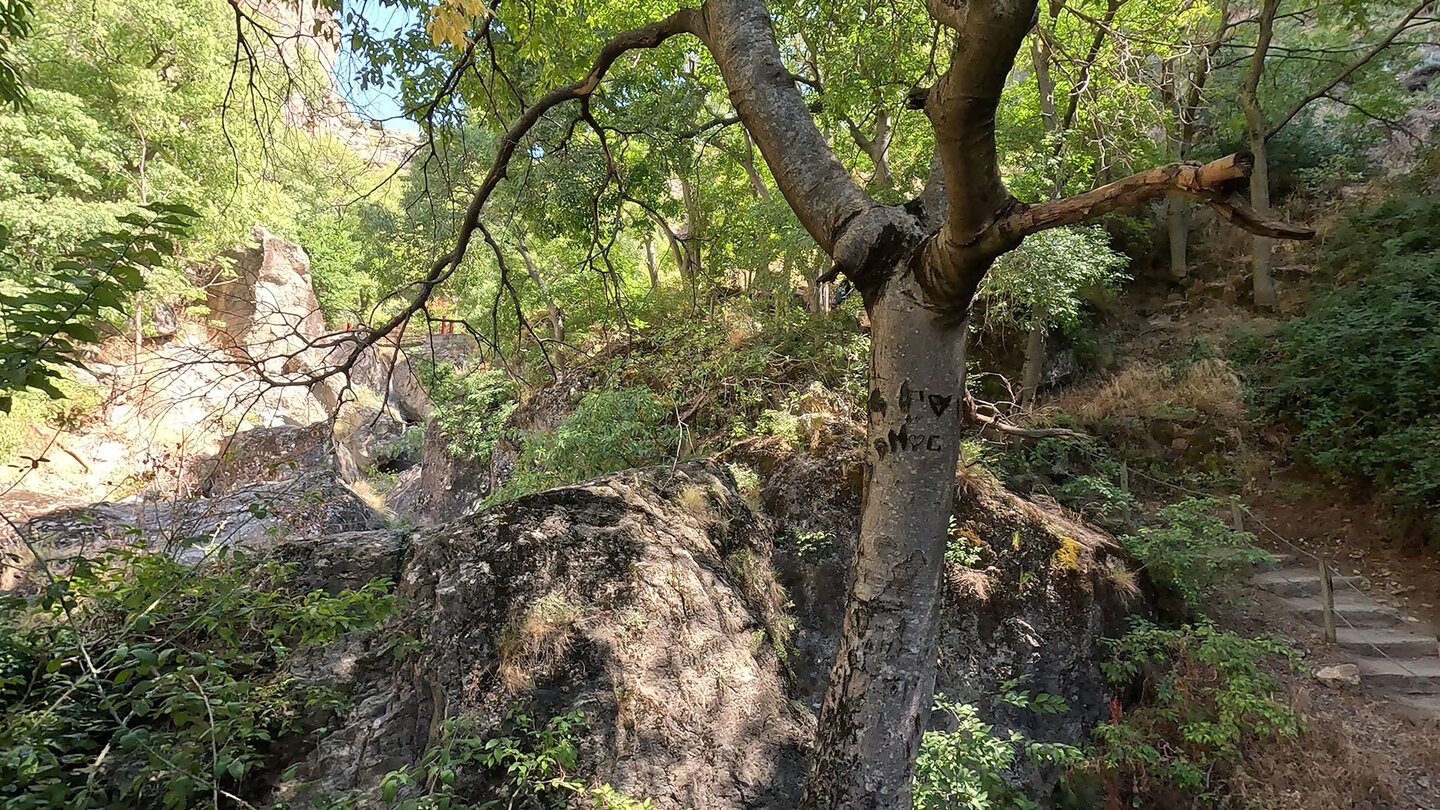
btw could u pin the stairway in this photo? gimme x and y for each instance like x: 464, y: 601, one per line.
x: 1398, y: 655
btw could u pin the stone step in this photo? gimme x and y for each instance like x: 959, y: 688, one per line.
x: 1281, y: 561
x: 1396, y: 643
x: 1296, y: 582
x: 1357, y: 610
x: 1401, y: 674
x: 1422, y: 708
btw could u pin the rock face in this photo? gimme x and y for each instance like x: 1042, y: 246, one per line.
x: 647, y: 598
x: 268, y: 311
x: 311, y: 505
x: 644, y: 598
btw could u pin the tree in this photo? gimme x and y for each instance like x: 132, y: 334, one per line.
x: 1258, y: 133
x: 917, y: 266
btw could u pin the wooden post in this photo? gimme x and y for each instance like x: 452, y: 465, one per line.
x: 1125, y: 486
x: 1237, y: 515
x: 1327, y: 598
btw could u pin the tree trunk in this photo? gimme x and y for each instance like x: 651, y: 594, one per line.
x: 1262, y: 247
x: 747, y: 162
x: 650, y: 264
x: 557, y: 317
x: 878, y: 149
x: 691, y: 243
x: 878, y: 701
x: 1177, y: 222
x: 1034, y: 361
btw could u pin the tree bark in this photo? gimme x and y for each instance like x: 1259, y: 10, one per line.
x: 884, y: 675
x: 1261, y: 247
x: 1177, y: 224
x: 1034, y: 367
x: 557, y: 317
x: 651, y: 265
x: 691, y: 243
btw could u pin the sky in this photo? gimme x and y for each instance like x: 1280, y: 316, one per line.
x: 377, y: 102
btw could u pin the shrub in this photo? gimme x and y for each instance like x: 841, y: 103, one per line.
x: 531, y: 765
x: 1193, y: 552
x: 612, y: 429
x: 137, y: 681
x: 1358, y: 378
x: 966, y: 767
x: 472, y: 409
x: 1207, y: 699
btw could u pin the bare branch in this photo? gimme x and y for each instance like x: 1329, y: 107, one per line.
x: 1209, y: 183
x: 1351, y: 68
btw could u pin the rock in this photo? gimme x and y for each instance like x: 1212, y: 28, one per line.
x: 389, y: 373
x: 643, y: 598
x: 268, y: 311
x: 268, y: 454
x: 311, y: 505
x: 1339, y: 676
x: 373, y: 438
x: 164, y: 322
x: 1034, y: 609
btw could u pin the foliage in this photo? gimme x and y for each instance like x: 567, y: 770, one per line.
x: 1208, y: 700
x: 612, y: 429
x: 1194, y: 552
x: 1042, y: 282
x: 531, y: 766
x: 966, y: 767
x: 135, y: 680
x: 14, y: 23
x: 44, y: 317
x: 472, y: 409
x: 30, y: 409
x: 1358, y: 377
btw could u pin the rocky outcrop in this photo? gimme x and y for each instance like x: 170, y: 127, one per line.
x: 268, y: 312
x: 643, y: 598
x: 267, y: 454
x: 1028, y: 598
x: 312, y: 505
x: 651, y: 600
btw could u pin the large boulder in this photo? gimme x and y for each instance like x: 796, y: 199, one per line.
x: 644, y: 598
x: 648, y: 599
x: 268, y: 311
x: 269, y: 454
x: 309, y: 506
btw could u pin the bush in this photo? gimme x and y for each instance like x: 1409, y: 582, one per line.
x: 1206, y: 701
x: 136, y: 681
x: 1193, y: 552
x: 472, y: 409
x: 966, y: 767
x: 612, y: 429
x: 531, y: 765
x: 1358, y: 378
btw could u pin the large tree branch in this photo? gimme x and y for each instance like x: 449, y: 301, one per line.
x: 819, y: 189
x: 1344, y: 74
x: 1211, y: 183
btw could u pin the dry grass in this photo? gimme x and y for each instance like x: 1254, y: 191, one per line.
x: 1144, y: 391
x: 1320, y: 769
x: 537, y: 642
